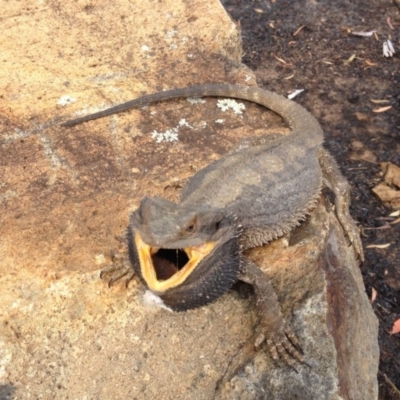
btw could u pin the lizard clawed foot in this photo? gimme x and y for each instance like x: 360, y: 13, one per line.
x: 341, y: 189
x: 116, y: 272
x: 283, y: 345
x: 353, y: 235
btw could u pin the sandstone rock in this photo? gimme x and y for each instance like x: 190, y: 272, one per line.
x: 320, y: 287
x: 66, y: 195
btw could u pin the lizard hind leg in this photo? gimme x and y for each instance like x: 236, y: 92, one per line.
x: 334, y: 179
x: 281, y: 341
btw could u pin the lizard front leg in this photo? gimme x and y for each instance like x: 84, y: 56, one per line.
x: 334, y: 179
x: 281, y: 340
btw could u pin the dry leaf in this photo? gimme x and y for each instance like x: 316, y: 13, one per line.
x: 388, y: 48
x: 373, y: 295
x: 382, y: 109
x: 388, y: 195
x: 295, y: 93
x: 298, y: 30
x: 280, y: 59
x: 396, y: 327
x: 366, y: 155
x: 379, y: 101
x: 392, y: 174
x: 361, y: 116
x: 365, y: 34
x: 395, y: 214
x: 387, y: 191
x: 350, y: 59
x: 378, y: 246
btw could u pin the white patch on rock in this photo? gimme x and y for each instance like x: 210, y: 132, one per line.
x: 5, y: 359
x: 100, y: 259
x: 170, y: 135
x: 226, y: 104
x: 171, y: 34
x: 151, y: 300
x: 219, y: 121
x: 9, y: 194
x: 195, y: 100
x: 145, y: 48
x: 65, y: 100
x: 183, y: 122
x: 202, y: 125
x: 50, y: 152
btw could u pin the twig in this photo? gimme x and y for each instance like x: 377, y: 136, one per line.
x: 298, y: 30
x: 391, y: 384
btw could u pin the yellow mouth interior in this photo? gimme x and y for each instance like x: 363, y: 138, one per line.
x: 161, y: 273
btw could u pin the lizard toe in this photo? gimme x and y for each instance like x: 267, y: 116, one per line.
x: 273, y: 350
x: 260, y: 339
x: 116, y: 272
x: 284, y: 346
x: 279, y: 351
x: 292, y: 337
x: 355, y: 240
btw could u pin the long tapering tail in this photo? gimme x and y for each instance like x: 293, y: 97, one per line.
x: 298, y: 118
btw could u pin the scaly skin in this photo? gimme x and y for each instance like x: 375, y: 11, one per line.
x: 245, y: 199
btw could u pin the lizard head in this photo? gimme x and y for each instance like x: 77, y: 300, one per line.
x: 187, y: 255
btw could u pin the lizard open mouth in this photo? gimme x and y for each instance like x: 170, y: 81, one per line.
x: 163, y: 269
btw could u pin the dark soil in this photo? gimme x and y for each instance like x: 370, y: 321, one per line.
x: 338, y: 91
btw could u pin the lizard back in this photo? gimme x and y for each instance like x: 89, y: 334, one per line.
x: 260, y: 186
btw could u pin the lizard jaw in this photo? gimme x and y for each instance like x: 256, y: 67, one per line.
x: 148, y: 264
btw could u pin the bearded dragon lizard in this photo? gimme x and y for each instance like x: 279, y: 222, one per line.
x: 189, y: 253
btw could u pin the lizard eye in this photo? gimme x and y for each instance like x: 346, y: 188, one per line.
x: 190, y: 228
x: 191, y: 225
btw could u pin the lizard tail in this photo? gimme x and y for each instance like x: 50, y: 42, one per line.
x: 298, y: 118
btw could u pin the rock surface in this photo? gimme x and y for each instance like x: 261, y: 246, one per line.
x: 66, y: 194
